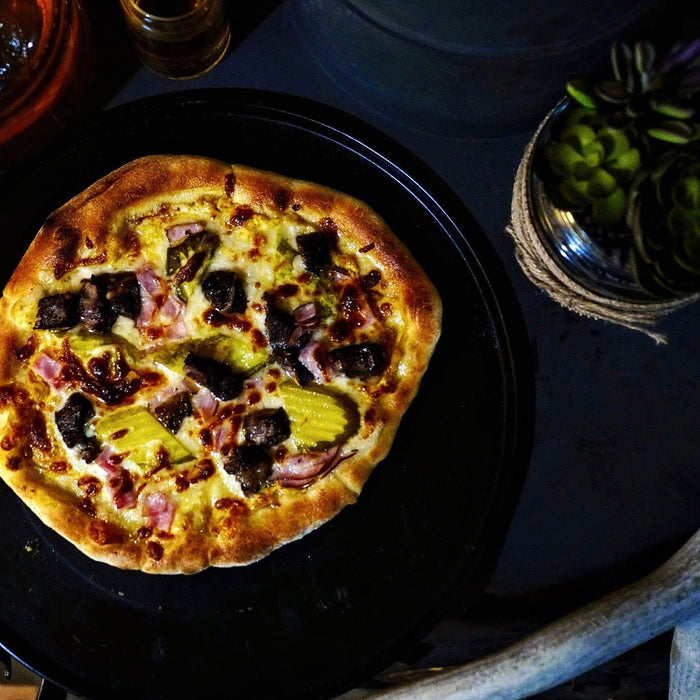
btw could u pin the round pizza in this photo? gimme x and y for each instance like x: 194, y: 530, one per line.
x: 201, y: 362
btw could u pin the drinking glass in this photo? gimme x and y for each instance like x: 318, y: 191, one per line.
x: 178, y: 38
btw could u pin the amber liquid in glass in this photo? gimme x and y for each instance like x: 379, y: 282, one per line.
x: 178, y: 38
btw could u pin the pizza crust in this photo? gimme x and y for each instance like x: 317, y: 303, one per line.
x: 88, y: 233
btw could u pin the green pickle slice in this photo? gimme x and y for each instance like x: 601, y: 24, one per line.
x: 134, y: 430
x: 318, y: 417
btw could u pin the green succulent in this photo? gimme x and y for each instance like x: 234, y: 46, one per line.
x: 589, y: 165
x: 664, y: 216
x: 657, y: 97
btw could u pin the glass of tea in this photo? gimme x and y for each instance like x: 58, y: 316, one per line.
x: 178, y: 38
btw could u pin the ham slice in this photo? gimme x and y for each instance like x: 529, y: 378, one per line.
x: 161, y: 310
x: 179, y: 232
x: 49, y: 370
x: 302, y: 469
x: 159, y: 510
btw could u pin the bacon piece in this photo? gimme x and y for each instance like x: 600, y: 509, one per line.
x: 179, y: 232
x: 159, y: 511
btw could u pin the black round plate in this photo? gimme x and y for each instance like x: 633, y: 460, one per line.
x: 321, y: 614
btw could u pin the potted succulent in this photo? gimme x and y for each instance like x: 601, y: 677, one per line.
x: 610, y: 187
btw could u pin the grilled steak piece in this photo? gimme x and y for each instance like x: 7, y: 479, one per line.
x: 57, y: 311
x: 216, y: 376
x: 288, y: 359
x: 315, y: 250
x: 123, y: 293
x: 361, y: 361
x: 96, y: 314
x: 225, y: 292
x: 279, y: 326
x: 174, y: 410
x: 71, y: 420
x: 266, y: 427
x: 251, y: 465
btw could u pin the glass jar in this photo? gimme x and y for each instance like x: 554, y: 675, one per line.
x: 178, y: 38
x: 43, y: 52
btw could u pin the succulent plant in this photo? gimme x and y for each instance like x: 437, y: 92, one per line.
x: 657, y: 97
x: 664, y: 216
x: 589, y: 164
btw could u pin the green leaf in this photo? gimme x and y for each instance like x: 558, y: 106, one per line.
x: 672, y: 109
x: 574, y: 191
x: 581, y: 91
x: 614, y: 141
x: 578, y: 135
x: 602, y: 184
x: 626, y: 166
x: 610, y: 210
x: 672, y: 132
x: 686, y: 193
x: 562, y: 158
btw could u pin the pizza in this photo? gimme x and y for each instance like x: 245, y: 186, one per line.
x: 201, y: 362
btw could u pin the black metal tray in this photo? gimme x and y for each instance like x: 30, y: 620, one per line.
x: 321, y: 614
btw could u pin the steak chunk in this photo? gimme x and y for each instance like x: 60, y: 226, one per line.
x: 279, y: 326
x: 251, y: 465
x: 71, y: 420
x: 224, y: 290
x: 123, y: 293
x: 266, y: 427
x: 96, y: 314
x: 174, y: 410
x: 57, y: 311
x: 216, y: 376
x: 315, y: 250
x: 361, y: 361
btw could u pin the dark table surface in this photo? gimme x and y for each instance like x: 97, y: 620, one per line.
x: 613, y: 485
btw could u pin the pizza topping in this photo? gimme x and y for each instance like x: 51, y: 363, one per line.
x: 318, y: 416
x: 251, y: 465
x: 174, y: 410
x: 179, y: 232
x: 288, y: 358
x: 49, y: 370
x: 266, y: 427
x: 361, y: 361
x: 302, y: 469
x: 188, y: 260
x: 213, y: 375
x: 159, y: 511
x: 315, y: 250
x: 57, y: 311
x: 72, y: 419
x: 225, y: 292
x: 279, y: 326
x: 121, y: 488
x: 134, y: 431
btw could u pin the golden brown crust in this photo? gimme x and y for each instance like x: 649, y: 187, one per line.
x: 89, y: 233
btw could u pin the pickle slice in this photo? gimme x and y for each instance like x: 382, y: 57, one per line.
x: 189, y: 260
x: 134, y: 430
x: 318, y: 418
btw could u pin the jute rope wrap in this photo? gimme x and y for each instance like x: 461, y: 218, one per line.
x: 542, y: 269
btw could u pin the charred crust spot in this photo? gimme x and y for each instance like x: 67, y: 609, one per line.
x: 155, y: 550
x: 14, y: 463
x: 327, y: 225
x: 90, y: 485
x: 66, y: 242
x: 61, y: 467
x: 104, y: 533
x: 282, y: 198
x: 229, y: 184
x: 144, y: 532
x: 28, y: 349
x: 242, y: 214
